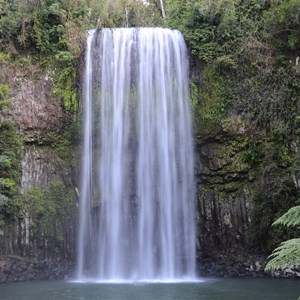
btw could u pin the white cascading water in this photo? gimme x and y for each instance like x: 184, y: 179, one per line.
x: 137, y: 206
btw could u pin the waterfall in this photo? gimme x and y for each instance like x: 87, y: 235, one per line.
x: 137, y: 206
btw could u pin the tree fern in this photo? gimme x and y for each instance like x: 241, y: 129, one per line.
x: 286, y: 256
x: 290, y: 218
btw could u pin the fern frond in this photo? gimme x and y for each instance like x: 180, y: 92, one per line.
x: 286, y: 256
x: 290, y: 218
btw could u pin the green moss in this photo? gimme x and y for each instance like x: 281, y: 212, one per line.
x: 4, y: 90
x: 70, y: 95
x: 229, y: 156
x: 4, y: 57
x: 232, y: 186
x: 64, y: 143
x: 221, y: 197
x: 4, y: 105
x: 253, y: 155
x: 49, y: 209
x: 4, y: 102
x: 36, y: 204
x: 209, y: 102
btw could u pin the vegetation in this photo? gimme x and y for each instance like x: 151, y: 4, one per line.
x: 4, y: 102
x: 245, y: 90
x: 287, y: 255
x: 10, y: 173
x: 248, y: 89
x: 237, y: 39
x: 48, y: 214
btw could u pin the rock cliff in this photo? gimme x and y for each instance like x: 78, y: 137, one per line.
x: 242, y: 186
x: 38, y: 241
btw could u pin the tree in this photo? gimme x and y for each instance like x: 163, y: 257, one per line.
x: 162, y: 7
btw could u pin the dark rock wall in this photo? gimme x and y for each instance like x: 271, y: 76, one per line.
x: 223, y: 212
x: 223, y: 199
x: 237, y: 202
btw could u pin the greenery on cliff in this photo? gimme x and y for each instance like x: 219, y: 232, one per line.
x: 250, y: 89
x: 245, y: 89
x: 247, y: 97
x: 10, y: 173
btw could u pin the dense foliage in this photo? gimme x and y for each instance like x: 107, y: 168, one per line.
x: 50, y: 26
x: 52, y: 33
x: 248, y: 87
x: 10, y: 172
x: 252, y: 47
x: 287, y: 255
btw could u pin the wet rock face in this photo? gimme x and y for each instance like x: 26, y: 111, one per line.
x: 226, y: 186
x: 16, y: 268
x: 39, y: 167
x: 233, y: 264
x: 223, y: 223
x: 46, y: 231
x: 34, y: 107
x: 223, y: 198
x: 40, y: 243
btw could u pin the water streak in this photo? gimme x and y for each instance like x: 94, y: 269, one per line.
x: 137, y: 192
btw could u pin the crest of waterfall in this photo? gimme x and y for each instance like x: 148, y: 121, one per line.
x: 137, y: 206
